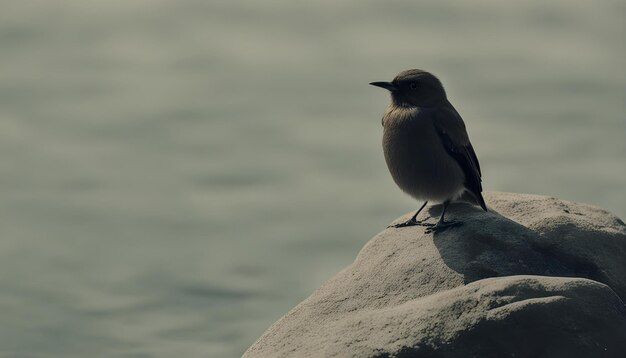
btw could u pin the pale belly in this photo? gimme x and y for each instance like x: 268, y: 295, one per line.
x: 420, y: 165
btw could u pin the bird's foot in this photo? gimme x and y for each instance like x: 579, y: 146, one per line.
x: 410, y: 222
x: 442, y: 226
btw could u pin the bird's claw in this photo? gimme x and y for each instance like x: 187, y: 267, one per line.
x: 439, y: 227
x: 410, y: 222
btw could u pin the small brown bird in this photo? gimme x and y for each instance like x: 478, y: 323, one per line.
x: 427, y: 149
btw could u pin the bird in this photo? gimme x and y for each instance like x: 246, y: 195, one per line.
x: 426, y: 146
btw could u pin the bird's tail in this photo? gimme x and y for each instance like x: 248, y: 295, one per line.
x: 474, y: 198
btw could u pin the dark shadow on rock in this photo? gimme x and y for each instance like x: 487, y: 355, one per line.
x: 491, y: 245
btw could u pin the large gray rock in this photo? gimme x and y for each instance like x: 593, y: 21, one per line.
x: 459, y: 293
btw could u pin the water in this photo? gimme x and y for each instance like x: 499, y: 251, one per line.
x: 177, y: 175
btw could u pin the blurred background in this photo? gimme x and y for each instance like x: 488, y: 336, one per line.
x: 176, y: 175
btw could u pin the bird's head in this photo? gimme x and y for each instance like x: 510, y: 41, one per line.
x: 415, y: 88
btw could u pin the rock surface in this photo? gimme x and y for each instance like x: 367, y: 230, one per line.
x: 534, y: 277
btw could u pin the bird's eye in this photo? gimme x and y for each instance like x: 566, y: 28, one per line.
x: 413, y: 85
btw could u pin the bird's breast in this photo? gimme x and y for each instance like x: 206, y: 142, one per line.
x: 417, y: 160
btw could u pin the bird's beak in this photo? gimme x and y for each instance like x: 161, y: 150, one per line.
x: 386, y: 85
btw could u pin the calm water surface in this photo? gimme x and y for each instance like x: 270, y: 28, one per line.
x: 175, y: 175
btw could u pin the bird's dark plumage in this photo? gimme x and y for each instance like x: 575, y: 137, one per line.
x: 426, y: 146
x: 451, y: 130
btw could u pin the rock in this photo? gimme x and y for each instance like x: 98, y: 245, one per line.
x: 534, y: 277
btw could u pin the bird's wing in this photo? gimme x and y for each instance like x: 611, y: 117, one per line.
x: 451, y: 130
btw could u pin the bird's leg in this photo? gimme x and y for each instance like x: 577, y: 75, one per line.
x: 442, y: 224
x: 412, y: 221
